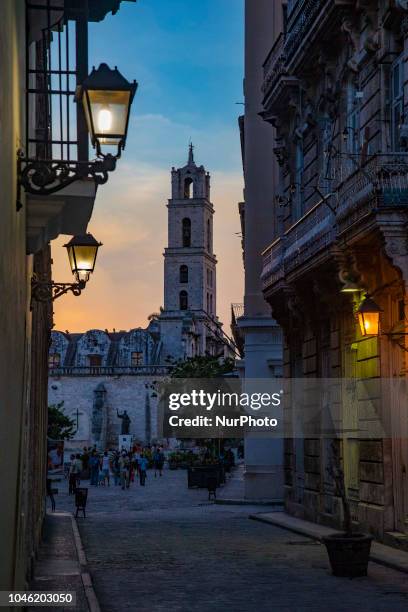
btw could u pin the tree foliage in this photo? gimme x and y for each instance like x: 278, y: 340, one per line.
x: 60, y: 426
x: 203, y: 367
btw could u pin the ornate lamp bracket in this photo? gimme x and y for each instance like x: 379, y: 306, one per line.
x: 44, y: 177
x: 43, y: 290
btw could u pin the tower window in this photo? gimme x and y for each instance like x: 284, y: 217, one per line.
x: 188, y: 187
x: 208, y: 236
x: 183, y: 274
x: 183, y: 300
x: 186, y: 232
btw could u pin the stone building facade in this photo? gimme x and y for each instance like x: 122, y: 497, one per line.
x: 99, y: 373
x: 335, y: 94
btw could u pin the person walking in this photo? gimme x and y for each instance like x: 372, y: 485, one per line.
x: 94, y: 467
x: 106, y: 468
x: 124, y: 470
x: 143, y: 463
x: 158, y: 461
x: 71, y: 476
x: 116, y: 468
x: 74, y: 472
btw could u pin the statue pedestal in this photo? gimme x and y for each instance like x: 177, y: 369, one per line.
x: 125, y: 442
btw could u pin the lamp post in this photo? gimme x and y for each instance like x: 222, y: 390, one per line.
x: 82, y: 252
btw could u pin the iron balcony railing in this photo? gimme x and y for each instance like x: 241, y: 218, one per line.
x: 152, y: 370
x: 302, y: 16
x: 379, y: 181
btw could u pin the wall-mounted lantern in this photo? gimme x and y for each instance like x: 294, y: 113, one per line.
x: 368, y: 315
x: 107, y: 97
x: 82, y: 252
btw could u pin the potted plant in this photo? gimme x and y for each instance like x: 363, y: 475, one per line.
x: 173, y: 461
x: 348, y: 551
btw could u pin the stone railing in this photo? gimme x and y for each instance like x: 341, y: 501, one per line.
x: 153, y: 370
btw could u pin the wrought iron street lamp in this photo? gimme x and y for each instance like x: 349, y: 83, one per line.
x: 107, y: 96
x: 82, y: 252
x: 368, y: 315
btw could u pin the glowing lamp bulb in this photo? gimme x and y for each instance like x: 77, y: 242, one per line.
x: 104, y: 120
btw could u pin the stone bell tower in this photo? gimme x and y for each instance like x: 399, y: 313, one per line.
x: 189, y: 264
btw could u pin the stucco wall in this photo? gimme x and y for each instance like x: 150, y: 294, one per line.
x: 14, y: 314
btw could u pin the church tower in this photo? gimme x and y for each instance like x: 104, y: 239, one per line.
x: 189, y: 265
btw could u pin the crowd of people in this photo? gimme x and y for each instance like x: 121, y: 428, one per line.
x: 124, y: 466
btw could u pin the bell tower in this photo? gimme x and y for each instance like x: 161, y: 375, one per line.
x: 189, y: 262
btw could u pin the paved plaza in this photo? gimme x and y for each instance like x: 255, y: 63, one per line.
x: 163, y: 547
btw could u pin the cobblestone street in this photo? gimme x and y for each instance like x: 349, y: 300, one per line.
x: 163, y: 547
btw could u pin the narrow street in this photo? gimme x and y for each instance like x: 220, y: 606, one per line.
x: 164, y: 547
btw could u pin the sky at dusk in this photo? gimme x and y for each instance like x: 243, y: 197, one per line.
x: 188, y: 59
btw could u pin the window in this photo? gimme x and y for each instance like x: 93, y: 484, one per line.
x: 299, y: 166
x: 352, y: 127
x: 183, y: 274
x: 187, y: 187
x: 94, y: 361
x: 54, y: 360
x: 136, y: 359
x: 397, y: 103
x: 183, y: 300
x: 209, y: 236
x: 211, y: 304
x: 186, y: 233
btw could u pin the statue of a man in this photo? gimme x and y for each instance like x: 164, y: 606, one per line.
x: 125, y: 422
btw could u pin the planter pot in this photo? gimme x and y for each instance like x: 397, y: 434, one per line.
x: 348, y: 555
x: 198, y: 475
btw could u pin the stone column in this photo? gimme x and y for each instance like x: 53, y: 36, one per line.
x: 263, y: 456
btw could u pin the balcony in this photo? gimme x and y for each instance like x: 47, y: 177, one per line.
x: 304, y: 240
x: 307, y: 19
x: 361, y: 189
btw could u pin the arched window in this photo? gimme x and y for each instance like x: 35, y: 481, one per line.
x: 187, y: 187
x: 209, y: 236
x: 183, y: 300
x: 183, y: 274
x: 186, y: 232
